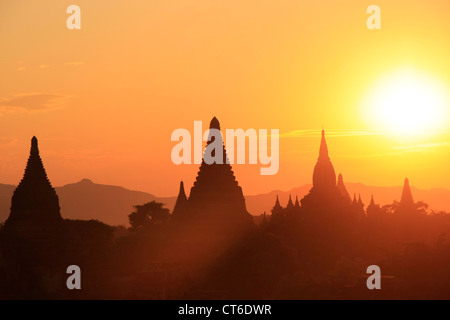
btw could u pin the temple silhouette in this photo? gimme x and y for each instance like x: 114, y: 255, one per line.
x: 210, y: 247
x: 406, y: 201
x: 34, y: 204
x: 326, y: 195
x: 373, y: 210
x: 216, y: 197
x: 33, y: 237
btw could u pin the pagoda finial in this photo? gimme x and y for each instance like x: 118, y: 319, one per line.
x: 407, y: 198
x: 372, y: 201
x: 182, y: 188
x: 181, y: 202
x: 360, y: 200
x: 324, y: 176
x: 34, y: 145
x: 277, y: 208
x: 323, y: 153
x: 290, y: 203
x: 214, y: 124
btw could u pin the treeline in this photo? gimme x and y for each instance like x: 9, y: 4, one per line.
x: 293, y: 255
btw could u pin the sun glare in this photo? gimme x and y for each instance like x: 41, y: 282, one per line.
x: 408, y: 104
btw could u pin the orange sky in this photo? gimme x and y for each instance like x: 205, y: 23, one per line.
x: 104, y: 100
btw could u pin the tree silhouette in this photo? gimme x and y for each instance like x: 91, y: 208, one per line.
x: 390, y: 209
x: 422, y: 207
x: 148, y: 214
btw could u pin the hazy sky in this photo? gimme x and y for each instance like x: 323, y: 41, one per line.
x: 104, y: 100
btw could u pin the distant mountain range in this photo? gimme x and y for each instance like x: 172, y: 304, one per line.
x: 112, y: 204
x: 87, y: 200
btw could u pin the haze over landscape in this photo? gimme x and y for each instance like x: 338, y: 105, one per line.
x: 354, y: 97
x: 112, y: 204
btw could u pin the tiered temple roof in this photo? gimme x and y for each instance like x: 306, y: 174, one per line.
x: 325, y: 193
x: 407, y: 204
x: 34, y: 197
x: 216, y: 193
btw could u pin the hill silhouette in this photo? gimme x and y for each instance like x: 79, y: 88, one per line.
x: 87, y: 200
x: 437, y: 198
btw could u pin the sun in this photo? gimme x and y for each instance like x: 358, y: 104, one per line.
x: 408, y: 103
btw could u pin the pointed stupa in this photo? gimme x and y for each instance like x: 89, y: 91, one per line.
x: 277, y: 208
x: 407, y: 198
x: 354, y: 202
x: 297, y: 203
x: 216, y: 193
x: 214, y: 124
x: 35, y: 233
x: 360, y: 201
x: 34, y: 197
x: 324, y: 176
x: 181, y: 203
x: 323, y: 152
x: 277, y: 203
x: 324, y: 196
x: 342, y: 189
x: 290, y: 204
x: 373, y: 210
x: 358, y: 206
x: 372, y: 201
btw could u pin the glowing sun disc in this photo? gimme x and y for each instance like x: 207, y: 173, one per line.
x: 407, y: 103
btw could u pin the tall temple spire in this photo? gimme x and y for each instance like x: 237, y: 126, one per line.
x: 277, y: 202
x: 325, y: 193
x: 407, y: 198
x: 181, y: 203
x: 34, y: 145
x: 360, y: 201
x: 354, y: 199
x: 324, y: 176
x: 34, y: 197
x: 372, y: 201
x: 373, y: 210
x: 216, y: 195
x: 323, y: 153
x: 35, y: 232
x: 277, y: 208
x: 214, y: 124
x: 297, y: 203
x: 290, y: 204
x: 357, y: 206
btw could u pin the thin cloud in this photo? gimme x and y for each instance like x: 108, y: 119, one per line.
x: 21, y: 69
x: 6, y: 141
x: 33, y: 102
x: 421, y: 147
x: 399, y: 150
x: 74, y: 63
x: 332, y: 134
